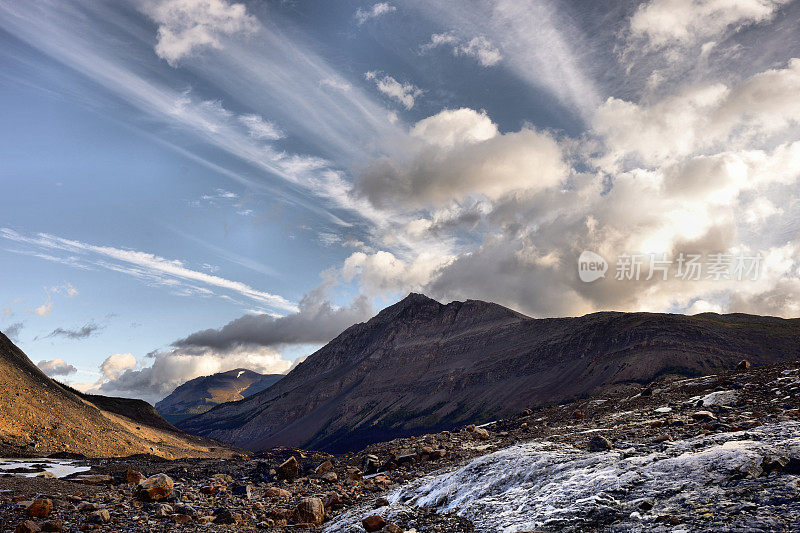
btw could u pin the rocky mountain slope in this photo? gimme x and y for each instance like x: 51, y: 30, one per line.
x: 421, y: 366
x: 201, y: 394
x: 39, y: 417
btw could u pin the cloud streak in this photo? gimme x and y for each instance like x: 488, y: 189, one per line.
x: 147, y: 267
x: 80, y: 333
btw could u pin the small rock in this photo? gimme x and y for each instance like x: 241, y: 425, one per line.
x: 774, y: 463
x: 703, y: 415
x: 223, y: 478
x: 471, y: 428
x: 185, y: 509
x: 599, y: 443
x: 209, y: 490
x: 373, y: 523
x: 46, y: 475
x: 743, y: 365
x: 370, y: 464
x: 289, y: 469
x: 86, y: 507
x: 155, y: 488
x: 277, y: 492
x: 392, y: 528
x: 53, y: 526
x: 162, y: 510
x: 333, y: 500
x: 100, y: 517
x: 244, y: 491
x: 100, y: 479
x: 480, y: 434
x: 182, y: 519
x: 577, y: 414
x: 225, y: 516
x: 40, y: 508
x: 28, y: 526
x: 381, y: 502
x: 664, y: 437
x: 646, y: 504
x: 437, y: 454
x: 309, y: 511
x: 330, y: 476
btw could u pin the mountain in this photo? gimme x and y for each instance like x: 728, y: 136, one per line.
x: 39, y: 416
x: 201, y: 394
x: 421, y: 366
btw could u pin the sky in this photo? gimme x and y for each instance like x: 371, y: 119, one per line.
x: 192, y: 186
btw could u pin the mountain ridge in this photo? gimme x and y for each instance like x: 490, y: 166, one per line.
x: 420, y: 365
x: 201, y: 394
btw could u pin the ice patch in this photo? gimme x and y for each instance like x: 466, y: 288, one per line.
x: 547, y: 485
x: 59, y: 468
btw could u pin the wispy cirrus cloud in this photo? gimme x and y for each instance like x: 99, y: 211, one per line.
x: 479, y: 48
x: 147, y: 267
x: 405, y: 93
x: 377, y: 10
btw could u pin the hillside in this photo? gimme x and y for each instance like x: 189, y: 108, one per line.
x: 201, y: 394
x: 421, y: 366
x: 39, y: 416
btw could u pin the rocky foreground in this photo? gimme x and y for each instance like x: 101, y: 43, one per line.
x: 715, y: 453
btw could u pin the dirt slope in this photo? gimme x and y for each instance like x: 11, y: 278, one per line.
x: 39, y: 417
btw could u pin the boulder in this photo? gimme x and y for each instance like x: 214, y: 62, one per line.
x: 373, y: 523
x: 309, y: 511
x: 155, y: 488
x: 598, y: 443
x: 743, y: 365
x: 327, y: 466
x: 289, y: 469
x: 134, y: 476
x: 40, y: 508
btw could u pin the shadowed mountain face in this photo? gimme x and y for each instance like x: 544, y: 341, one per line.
x: 39, y: 416
x: 421, y: 366
x: 201, y: 394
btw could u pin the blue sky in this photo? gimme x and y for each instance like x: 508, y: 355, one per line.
x: 190, y: 186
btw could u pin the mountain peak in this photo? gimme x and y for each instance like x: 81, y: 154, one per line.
x: 416, y: 298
